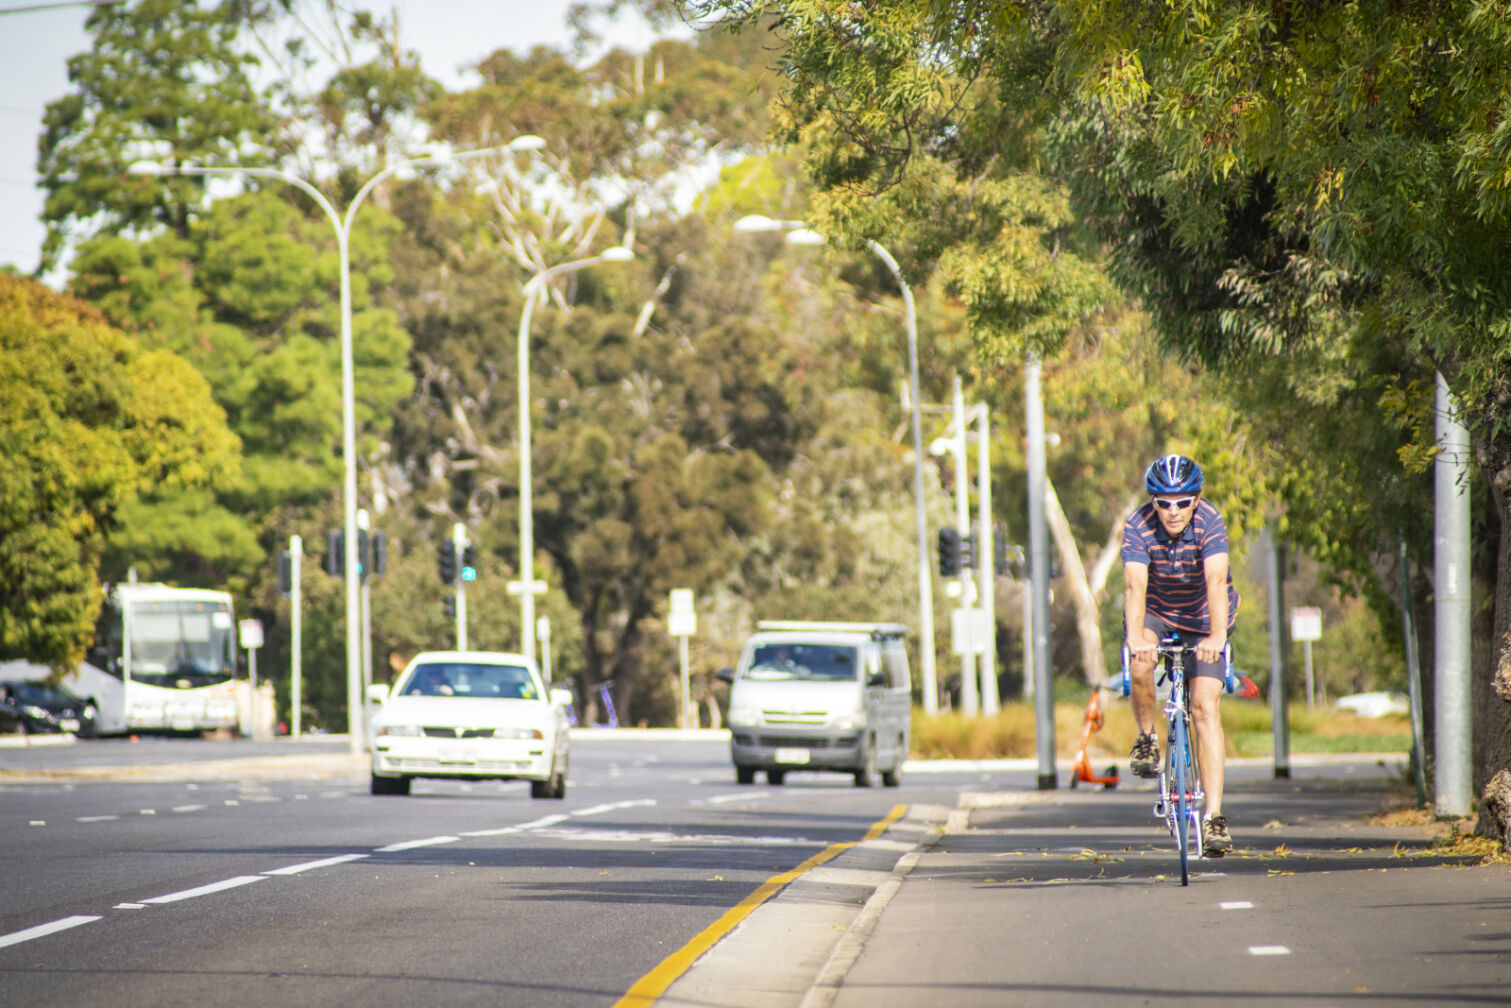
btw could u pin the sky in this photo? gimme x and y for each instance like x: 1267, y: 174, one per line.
x: 38, y: 37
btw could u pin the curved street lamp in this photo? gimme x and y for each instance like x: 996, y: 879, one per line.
x: 800, y: 234
x: 527, y: 586
x: 355, y: 712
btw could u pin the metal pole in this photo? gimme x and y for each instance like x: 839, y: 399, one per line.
x: 986, y: 553
x: 1453, y: 766
x: 459, y: 540
x: 927, y: 670
x: 1279, y: 713
x: 1038, y: 559
x: 364, y: 525
x: 1413, y: 681
x: 296, y: 636
x: 970, y: 699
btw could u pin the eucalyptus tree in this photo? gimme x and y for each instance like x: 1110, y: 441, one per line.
x: 1310, y: 197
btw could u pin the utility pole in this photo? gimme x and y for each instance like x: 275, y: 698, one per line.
x: 1451, y: 715
x: 1038, y: 559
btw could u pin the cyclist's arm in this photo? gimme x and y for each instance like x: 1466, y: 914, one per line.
x: 1135, y: 598
x: 1215, y: 572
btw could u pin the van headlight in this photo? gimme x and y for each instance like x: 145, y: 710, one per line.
x: 853, y: 721
x: 400, y: 730
x: 744, y: 717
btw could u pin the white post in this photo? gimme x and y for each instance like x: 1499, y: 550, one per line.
x: 365, y: 597
x: 970, y: 701
x: 1038, y: 560
x: 296, y: 637
x: 986, y: 553
x: 1452, y: 714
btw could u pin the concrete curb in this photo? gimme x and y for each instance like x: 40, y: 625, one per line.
x: 33, y: 741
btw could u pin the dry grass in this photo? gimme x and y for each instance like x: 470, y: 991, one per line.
x: 1011, y: 733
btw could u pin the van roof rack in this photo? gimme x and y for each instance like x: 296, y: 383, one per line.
x: 878, y: 631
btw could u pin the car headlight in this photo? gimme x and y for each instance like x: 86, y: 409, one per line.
x: 744, y: 717
x: 401, y: 730
x: 518, y: 733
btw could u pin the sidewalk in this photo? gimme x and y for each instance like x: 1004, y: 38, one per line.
x: 925, y: 914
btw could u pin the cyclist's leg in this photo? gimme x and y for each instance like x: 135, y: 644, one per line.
x: 1210, y: 744
x: 1141, y: 675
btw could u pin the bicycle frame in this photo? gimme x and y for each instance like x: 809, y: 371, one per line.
x: 1180, y: 796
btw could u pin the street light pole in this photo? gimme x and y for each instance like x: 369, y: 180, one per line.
x: 342, y: 226
x: 798, y: 233
x: 527, y: 585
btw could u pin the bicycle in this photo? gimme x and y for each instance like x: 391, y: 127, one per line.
x: 1180, y: 796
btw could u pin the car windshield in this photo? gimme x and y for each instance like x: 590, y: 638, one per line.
x: 470, y: 679
x: 39, y: 695
x: 821, y: 662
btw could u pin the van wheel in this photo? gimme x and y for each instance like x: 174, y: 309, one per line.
x: 775, y: 777
x: 745, y: 775
x: 893, y: 777
x: 866, y: 775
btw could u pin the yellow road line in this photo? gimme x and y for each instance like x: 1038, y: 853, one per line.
x: 651, y: 986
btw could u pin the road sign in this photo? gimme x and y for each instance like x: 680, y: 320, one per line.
x: 251, y: 634
x: 682, y: 621
x: 1306, y: 623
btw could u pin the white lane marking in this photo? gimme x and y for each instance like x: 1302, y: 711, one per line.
x: 96, y: 818
x: 1268, y: 950
x: 129, y: 906
x: 42, y: 930
x: 37, y: 822
x: 148, y: 811
x: 614, y: 806
x: 741, y: 796
x: 502, y: 831
x: 660, y: 836
x: 205, y: 890
x: 1236, y: 905
x: 322, y: 863
x: 232, y: 801
x: 190, y: 808
x: 412, y: 844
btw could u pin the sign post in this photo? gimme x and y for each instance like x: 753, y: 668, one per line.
x: 682, y: 622
x: 251, y: 639
x: 1306, y: 626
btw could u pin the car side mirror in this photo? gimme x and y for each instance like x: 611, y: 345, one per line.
x: 725, y: 674
x: 561, y: 696
x: 377, y: 693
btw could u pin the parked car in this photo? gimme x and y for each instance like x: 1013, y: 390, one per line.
x: 1373, y: 705
x: 470, y: 715
x: 38, y: 708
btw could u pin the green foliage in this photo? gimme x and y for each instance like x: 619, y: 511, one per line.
x: 89, y: 420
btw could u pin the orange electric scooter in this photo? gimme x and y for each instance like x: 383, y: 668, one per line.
x: 1082, y: 770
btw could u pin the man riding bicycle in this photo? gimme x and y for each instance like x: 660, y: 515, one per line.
x: 1176, y: 577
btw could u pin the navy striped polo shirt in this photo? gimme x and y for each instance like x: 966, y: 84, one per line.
x: 1177, y: 585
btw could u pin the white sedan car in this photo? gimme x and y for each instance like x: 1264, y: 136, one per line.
x: 470, y: 715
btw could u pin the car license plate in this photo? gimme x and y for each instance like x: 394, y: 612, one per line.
x: 457, y: 754
x: 792, y: 755
x: 69, y: 724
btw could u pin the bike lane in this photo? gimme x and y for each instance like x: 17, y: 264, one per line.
x: 1059, y: 898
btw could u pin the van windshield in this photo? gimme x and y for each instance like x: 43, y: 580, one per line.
x: 819, y: 662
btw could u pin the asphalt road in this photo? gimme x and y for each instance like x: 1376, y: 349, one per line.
x: 176, y: 872
x: 142, y: 874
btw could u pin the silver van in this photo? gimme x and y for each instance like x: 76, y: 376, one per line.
x: 821, y: 696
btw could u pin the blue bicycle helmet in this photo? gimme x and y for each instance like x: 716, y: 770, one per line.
x: 1172, y: 474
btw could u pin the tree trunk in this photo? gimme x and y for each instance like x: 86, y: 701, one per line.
x: 1491, y: 692
x: 1088, y: 619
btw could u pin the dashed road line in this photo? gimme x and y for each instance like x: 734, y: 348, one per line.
x: 1268, y: 950
x: 41, y: 930
x: 205, y: 890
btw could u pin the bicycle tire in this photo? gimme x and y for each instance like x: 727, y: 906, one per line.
x: 1179, y: 757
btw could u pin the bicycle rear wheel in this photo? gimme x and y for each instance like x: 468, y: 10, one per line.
x: 1181, y: 774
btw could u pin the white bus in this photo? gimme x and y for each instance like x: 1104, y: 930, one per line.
x: 163, y: 659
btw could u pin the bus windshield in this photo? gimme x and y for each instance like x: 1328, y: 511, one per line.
x: 181, y: 644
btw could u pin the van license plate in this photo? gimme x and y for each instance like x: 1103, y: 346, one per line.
x: 792, y: 755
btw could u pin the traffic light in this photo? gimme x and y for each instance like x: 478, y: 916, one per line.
x: 968, y: 551
x: 450, y: 604
x: 949, y: 552
x: 334, y: 563
x: 447, y: 565
x: 364, y: 554
x: 380, y: 554
x: 285, y: 574
x: 469, y: 563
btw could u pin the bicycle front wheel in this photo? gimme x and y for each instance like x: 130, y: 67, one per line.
x: 1180, y: 754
